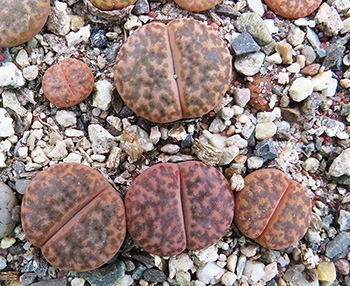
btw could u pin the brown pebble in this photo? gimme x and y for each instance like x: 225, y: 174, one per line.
x: 342, y: 266
x: 111, y: 4
x: 291, y: 114
x: 196, y: 5
x: 272, y: 209
x: 311, y: 70
x: 293, y: 9
x: 68, y: 83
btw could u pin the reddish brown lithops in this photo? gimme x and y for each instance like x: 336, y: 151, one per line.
x: 111, y: 4
x: 169, y: 72
x: 272, y: 209
x: 196, y: 5
x: 293, y: 9
x: 173, y: 206
x: 21, y: 20
x: 75, y: 216
x: 68, y: 83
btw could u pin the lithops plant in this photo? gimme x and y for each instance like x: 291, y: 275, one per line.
x: 293, y: 9
x: 272, y: 209
x: 68, y: 83
x: 21, y: 20
x: 75, y: 216
x: 7, y: 202
x: 170, y: 207
x: 169, y: 72
x: 196, y: 5
x: 111, y: 4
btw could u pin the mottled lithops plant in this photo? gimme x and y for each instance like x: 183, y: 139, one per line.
x: 21, y: 20
x: 293, y: 9
x: 111, y: 4
x: 272, y: 209
x: 196, y: 5
x: 170, y: 207
x: 169, y: 72
x: 75, y: 216
x: 7, y: 202
x: 68, y: 83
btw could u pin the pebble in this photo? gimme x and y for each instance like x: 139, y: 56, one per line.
x: 341, y: 165
x: 183, y: 278
x: 141, y: 7
x: 59, y: 152
x: 254, y: 271
x: 271, y: 270
x: 338, y: 245
x: 286, y: 51
x: 59, y: 20
x: 329, y: 17
x: 66, y: 118
x: 210, y: 273
x: 170, y: 148
x: 255, y: 162
x: 249, y: 64
x: 237, y: 140
x: 232, y: 262
x: 342, y: 266
x: 254, y: 25
x: 155, y: 135
x: 296, y: 277
x: 99, y: 38
x: 240, y: 266
x: 295, y: 36
x: 228, y: 154
x: 11, y: 76
x: 344, y: 220
x: 250, y: 250
x: 82, y: 36
x: 266, y: 149
x: 7, y: 242
x: 100, y: 138
x: 77, y: 282
x: 301, y: 88
x: 313, y: 236
x: 21, y: 186
x: 335, y: 54
x: 7, y: 202
x: 311, y: 165
x: 217, y: 125
x: 10, y: 100
x: 178, y: 133
x: 30, y: 73
x: 102, y: 96
x: 256, y: 6
x: 265, y: 130
x: 244, y: 44
x: 218, y: 141
x: 22, y: 58
x: 226, y: 113
x: 132, y: 23
x: 326, y: 272
x: 241, y: 96
x: 3, y: 263
x: 228, y: 279
x: 181, y: 262
x: 154, y: 275
x: 322, y: 80
x: 27, y: 278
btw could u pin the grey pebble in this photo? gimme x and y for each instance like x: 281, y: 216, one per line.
x: 244, y: 44
x: 99, y: 38
x: 338, y: 245
x: 335, y: 54
x: 3, y: 263
x: 22, y: 185
x: 138, y: 271
x: 267, y: 149
x: 27, y: 278
x: 154, y: 275
x: 141, y: 7
x: 52, y: 282
x: 344, y: 220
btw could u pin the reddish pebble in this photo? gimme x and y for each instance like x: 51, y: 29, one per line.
x: 170, y: 207
x: 293, y: 9
x: 68, y: 83
x: 272, y: 209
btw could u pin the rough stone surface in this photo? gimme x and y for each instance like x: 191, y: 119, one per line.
x: 7, y: 203
x: 341, y: 165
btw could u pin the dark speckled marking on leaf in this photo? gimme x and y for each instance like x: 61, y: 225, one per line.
x: 68, y: 83
x: 112, y: 4
x: 173, y: 206
x: 71, y: 211
x: 272, y: 209
x: 196, y: 5
x: 155, y: 53
x: 293, y: 9
x: 21, y: 20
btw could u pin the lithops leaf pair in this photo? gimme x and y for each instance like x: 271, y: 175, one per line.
x: 169, y: 72
x: 272, y: 209
x: 68, y: 83
x: 293, y: 9
x: 75, y: 216
x: 170, y: 207
x: 196, y: 5
x: 111, y: 4
x: 21, y: 20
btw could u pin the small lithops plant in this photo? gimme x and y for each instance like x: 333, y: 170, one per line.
x: 169, y: 72
x: 272, y: 209
x: 111, y: 4
x: 293, y: 9
x: 68, y: 83
x: 170, y: 207
x: 7, y: 202
x: 196, y: 5
x: 75, y: 216
x: 21, y: 20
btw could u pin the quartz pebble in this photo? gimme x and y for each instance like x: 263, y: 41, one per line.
x: 66, y: 118
x: 301, y: 88
x: 3, y: 263
x: 103, y: 94
x: 229, y: 278
x: 265, y: 130
x: 344, y: 220
x: 210, y: 273
x: 254, y: 271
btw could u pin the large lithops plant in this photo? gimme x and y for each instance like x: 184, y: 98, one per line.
x: 21, y: 20
x: 293, y: 9
x: 111, y: 4
x: 171, y: 207
x: 272, y: 209
x: 169, y: 72
x: 75, y: 216
x: 196, y: 5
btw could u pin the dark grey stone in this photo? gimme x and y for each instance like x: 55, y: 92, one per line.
x: 244, y: 44
x: 187, y: 143
x: 145, y: 258
x: 138, y: 272
x: 141, y: 7
x: 267, y: 149
x: 112, y: 52
x: 106, y: 275
x: 154, y: 275
x: 335, y: 54
x: 338, y: 245
x: 52, y: 282
x: 226, y: 10
x: 99, y: 38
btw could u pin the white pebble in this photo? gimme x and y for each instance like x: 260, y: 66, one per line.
x: 210, y: 273
x: 301, y: 88
x: 103, y: 94
x: 254, y: 271
x: 66, y: 118
x: 265, y: 130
